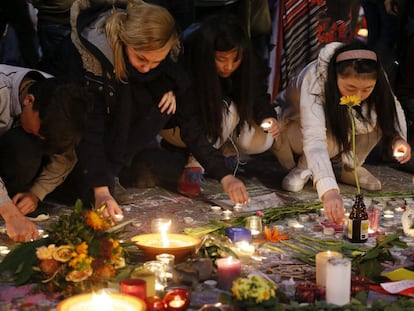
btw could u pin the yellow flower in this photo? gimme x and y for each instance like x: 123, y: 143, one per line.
x: 95, y: 221
x: 80, y: 262
x: 255, y: 288
x: 350, y: 101
x: 82, y: 248
x: 45, y: 252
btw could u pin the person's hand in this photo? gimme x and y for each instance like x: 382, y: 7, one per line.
x: 333, y: 206
x: 274, y: 129
x: 235, y: 189
x: 18, y: 227
x: 26, y: 202
x: 402, y: 149
x: 167, y: 103
x: 105, y: 201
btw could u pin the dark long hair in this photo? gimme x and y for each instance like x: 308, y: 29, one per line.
x: 381, y: 99
x: 222, y: 32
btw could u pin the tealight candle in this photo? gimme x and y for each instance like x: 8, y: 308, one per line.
x: 244, y: 248
x: 398, y: 154
x: 266, y: 125
x: 338, y: 292
x: 255, y: 225
x: 399, y: 209
x: 4, y: 250
x: 228, y: 269
x: 388, y: 215
x: 216, y: 208
x: 177, y: 299
x: 298, y: 227
x: 227, y: 214
x: 321, y: 262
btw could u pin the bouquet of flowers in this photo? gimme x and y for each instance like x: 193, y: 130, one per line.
x: 81, y: 253
x: 254, y: 293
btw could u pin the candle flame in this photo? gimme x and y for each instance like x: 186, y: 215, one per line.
x: 177, y: 302
x: 164, y: 233
x: 102, y: 301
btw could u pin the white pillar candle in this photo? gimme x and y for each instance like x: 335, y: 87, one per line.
x: 321, y: 262
x: 338, y: 281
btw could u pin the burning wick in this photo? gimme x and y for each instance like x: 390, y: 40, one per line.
x: 398, y: 154
x: 266, y: 125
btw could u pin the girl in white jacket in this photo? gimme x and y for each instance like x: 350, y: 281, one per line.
x: 341, y: 70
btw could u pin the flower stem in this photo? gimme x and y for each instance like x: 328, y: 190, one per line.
x: 353, y: 149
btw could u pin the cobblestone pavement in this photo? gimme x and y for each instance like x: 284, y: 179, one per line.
x: 262, y: 175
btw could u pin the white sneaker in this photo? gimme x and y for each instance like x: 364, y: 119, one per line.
x: 296, y: 179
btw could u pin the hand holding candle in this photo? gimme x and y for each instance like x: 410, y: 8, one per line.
x: 269, y: 125
x: 401, y: 151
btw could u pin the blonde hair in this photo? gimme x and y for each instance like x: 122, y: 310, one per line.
x: 142, y: 26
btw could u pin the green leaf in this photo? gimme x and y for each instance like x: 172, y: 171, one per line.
x: 20, y: 261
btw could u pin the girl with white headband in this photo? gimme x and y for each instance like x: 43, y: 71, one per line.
x: 340, y: 70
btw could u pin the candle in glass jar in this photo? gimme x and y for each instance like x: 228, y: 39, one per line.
x: 321, y: 262
x: 228, y: 269
x: 134, y: 287
x: 177, y: 299
x: 338, y: 292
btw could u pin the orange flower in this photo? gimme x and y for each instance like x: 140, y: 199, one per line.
x: 95, y: 221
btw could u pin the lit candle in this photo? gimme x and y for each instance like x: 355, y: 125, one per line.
x: 158, y: 268
x: 168, y: 260
x: 177, y: 299
x: 134, y: 287
x: 227, y: 214
x: 321, y: 262
x: 148, y: 276
x: 338, y: 281
x: 266, y: 125
x: 255, y: 225
x: 399, y: 209
x: 388, y: 215
x: 228, y: 269
x: 4, y: 250
x: 102, y: 302
x: 398, y: 154
x: 159, y: 225
x: 298, y: 227
x: 244, y: 250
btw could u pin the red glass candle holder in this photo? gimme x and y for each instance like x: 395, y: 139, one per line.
x: 359, y: 284
x: 177, y: 300
x: 134, y: 287
x: 155, y: 303
x: 307, y: 292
